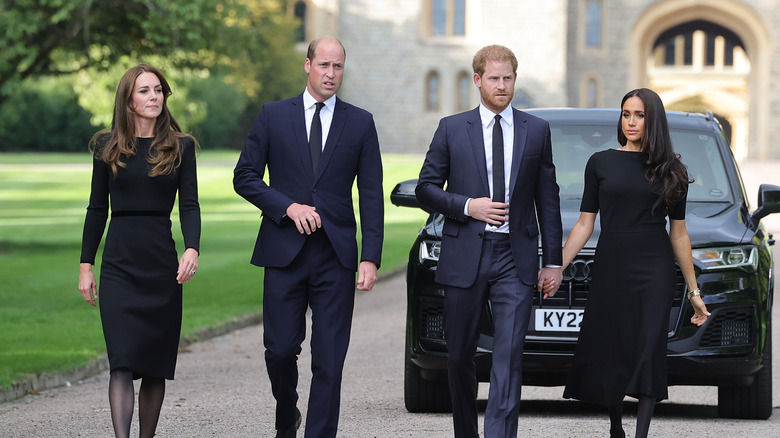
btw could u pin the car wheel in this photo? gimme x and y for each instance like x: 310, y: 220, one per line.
x: 754, y: 401
x: 423, y: 395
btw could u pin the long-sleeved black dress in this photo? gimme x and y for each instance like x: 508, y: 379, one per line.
x: 140, y: 299
x: 621, y: 348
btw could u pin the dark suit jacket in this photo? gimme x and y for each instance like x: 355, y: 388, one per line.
x: 278, y: 140
x: 457, y: 157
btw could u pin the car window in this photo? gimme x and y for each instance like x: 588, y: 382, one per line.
x: 573, y: 145
x: 700, y: 152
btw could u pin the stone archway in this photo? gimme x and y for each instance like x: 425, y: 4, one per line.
x: 745, y: 108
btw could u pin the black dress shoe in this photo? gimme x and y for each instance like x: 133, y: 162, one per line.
x: 290, y: 432
x: 612, y: 434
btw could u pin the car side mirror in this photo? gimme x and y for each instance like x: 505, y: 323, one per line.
x: 403, y: 195
x: 768, y: 202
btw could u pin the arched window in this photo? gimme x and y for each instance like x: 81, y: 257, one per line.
x: 300, y: 14
x: 447, y: 17
x: 593, y: 23
x: 464, y: 90
x: 698, y: 44
x: 432, y: 85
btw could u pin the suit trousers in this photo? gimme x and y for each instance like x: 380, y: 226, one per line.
x: 498, y: 281
x: 318, y: 280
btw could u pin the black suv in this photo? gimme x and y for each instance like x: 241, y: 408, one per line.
x: 732, y: 258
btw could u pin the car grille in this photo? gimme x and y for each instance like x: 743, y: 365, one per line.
x: 731, y: 328
x: 432, y: 319
x: 576, y: 283
x: 572, y: 293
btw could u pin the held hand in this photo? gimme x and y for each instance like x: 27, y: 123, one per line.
x: 485, y: 210
x: 188, y: 265
x: 700, y: 312
x: 549, y: 281
x: 305, y: 217
x: 366, y: 275
x: 87, y: 283
x: 549, y: 288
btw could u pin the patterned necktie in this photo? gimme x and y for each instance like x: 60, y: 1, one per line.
x: 315, y: 137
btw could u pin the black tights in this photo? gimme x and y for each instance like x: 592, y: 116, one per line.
x: 644, y: 413
x: 121, y: 396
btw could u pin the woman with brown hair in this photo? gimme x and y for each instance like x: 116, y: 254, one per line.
x: 139, y: 165
x: 621, y: 348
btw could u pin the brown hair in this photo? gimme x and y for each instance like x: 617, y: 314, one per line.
x: 663, y: 167
x: 493, y: 53
x: 120, y: 141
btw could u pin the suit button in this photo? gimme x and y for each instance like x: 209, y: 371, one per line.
x: 481, y: 235
x: 314, y: 190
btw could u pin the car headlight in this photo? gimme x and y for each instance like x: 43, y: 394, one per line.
x: 727, y: 258
x: 429, y: 250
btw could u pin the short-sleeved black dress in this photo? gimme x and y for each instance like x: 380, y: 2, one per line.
x: 140, y: 299
x: 622, y: 343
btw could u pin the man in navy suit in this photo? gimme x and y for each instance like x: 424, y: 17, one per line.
x: 496, y: 163
x: 314, y: 146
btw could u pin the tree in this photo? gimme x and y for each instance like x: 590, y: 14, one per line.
x: 239, y: 38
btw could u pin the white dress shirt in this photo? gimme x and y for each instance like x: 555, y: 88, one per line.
x: 507, y: 127
x: 326, y: 114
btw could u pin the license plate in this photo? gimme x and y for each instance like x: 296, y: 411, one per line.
x: 558, y: 320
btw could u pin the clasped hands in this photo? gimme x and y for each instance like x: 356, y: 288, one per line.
x: 549, y: 280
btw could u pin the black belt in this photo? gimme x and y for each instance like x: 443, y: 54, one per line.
x: 491, y: 235
x: 125, y: 213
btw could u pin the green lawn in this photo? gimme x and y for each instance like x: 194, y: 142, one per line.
x: 46, y: 327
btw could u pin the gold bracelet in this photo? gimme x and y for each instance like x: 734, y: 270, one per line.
x: 694, y: 293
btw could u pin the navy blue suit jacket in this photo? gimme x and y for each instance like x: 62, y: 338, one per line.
x: 457, y: 157
x: 278, y: 141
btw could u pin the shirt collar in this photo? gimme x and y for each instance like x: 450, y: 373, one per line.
x: 487, y: 116
x: 309, y: 101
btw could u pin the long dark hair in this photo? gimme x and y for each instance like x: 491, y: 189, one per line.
x: 120, y: 141
x: 663, y: 168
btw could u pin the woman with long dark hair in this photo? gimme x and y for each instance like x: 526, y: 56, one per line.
x: 139, y: 166
x: 622, y: 343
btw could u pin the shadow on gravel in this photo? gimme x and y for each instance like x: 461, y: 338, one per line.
x: 564, y: 408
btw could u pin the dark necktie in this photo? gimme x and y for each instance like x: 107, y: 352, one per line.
x: 315, y: 137
x: 498, y: 161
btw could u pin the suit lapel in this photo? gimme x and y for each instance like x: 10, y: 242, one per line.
x: 301, y: 135
x: 521, y: 133
x: 474, y: 127
x: 337, y: 124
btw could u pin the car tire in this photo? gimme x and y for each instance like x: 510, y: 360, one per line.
x: 754, y: 401
x: 423, y: 395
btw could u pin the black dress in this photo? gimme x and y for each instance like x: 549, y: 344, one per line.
x: 622, y: 343
x: 140, y: 299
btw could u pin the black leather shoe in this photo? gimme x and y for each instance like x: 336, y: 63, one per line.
x: 290, y: 432
x: 612, y: 434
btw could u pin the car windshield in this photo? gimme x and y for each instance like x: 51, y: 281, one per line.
x: 573, y: 145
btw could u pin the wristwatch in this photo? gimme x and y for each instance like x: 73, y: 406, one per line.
x: 694, y: 293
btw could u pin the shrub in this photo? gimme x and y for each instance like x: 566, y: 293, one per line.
x: 45, y: 116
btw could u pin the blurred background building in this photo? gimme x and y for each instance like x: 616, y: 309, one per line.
x: 409, y: 61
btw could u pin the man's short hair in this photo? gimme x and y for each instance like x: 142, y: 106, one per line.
x: 316, y: 42
x: 493, y: 53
